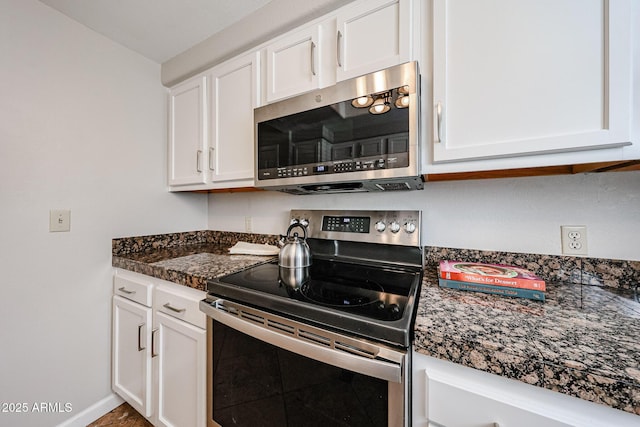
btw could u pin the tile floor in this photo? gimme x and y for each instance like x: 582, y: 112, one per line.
x: 123, y: 416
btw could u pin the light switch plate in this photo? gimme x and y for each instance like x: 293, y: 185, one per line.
x: 59, y: 220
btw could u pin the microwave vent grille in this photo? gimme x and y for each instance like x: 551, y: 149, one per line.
x: 393, y: 186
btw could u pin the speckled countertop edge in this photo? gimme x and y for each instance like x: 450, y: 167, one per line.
x: 534, y: 342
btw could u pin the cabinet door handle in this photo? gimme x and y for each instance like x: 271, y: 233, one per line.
x: 140, y: 347
x: 339, y: 49
x: 124, y: 290
x: 176, y: 310
x: 313, y: 58
x: 199, y: 161
x: 211, y: 151
x: 439, y: 122
x: 153, y: 342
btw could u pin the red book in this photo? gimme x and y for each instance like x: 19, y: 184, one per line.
x: 491, y: 274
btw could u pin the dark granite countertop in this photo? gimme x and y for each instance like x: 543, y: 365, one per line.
x: 189, y: 259
x: 584, y: 340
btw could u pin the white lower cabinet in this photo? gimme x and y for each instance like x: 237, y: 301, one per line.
x: 180, y: 364
x: 159, y: 349
x: 131, y: 363
x: 446, y: 394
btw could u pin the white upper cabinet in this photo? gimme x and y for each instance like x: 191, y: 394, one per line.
x: 235, y: 91
x: 358, y: 39
x: 187, y: 133
x: 371, y: 36
x: 293, y: 63
x: 211, y: 134
x: 529, y: 77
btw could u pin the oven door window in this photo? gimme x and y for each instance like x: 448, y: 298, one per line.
x: 258, y: 384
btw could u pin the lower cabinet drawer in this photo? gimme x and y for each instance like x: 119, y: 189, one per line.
x: 133, y: 286
x: 459, y: 396
x: 181, y: 302
x: 450, y: 406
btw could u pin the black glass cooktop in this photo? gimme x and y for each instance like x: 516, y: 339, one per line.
x: 375, y: 301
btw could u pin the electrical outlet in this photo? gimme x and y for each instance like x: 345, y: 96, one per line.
x: 247, y: 224
x: 574, y: 239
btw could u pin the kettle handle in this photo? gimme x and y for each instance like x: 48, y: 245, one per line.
x: 294, y: 225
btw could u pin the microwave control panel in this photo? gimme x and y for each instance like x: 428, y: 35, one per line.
x: 399, y: 160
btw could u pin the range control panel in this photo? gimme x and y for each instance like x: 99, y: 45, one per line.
x: 387, y: 227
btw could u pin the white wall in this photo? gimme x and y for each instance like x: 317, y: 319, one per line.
x: 510, y: 214
x: 82, y: 127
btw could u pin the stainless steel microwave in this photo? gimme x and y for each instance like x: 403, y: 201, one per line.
x: 358, y: 135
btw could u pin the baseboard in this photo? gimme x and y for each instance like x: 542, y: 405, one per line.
x: 93, y: 412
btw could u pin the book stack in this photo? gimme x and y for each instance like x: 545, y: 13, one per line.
x: 496, y: 279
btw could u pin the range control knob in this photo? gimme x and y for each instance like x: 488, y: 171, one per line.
x: 380, y: 226
x: 394, y: 226
x: 409, y: 227
x: 304, y: 222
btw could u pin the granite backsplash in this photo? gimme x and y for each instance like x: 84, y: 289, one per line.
x: 620, y: 274
x: 611, y: 273
x: 129, y: 245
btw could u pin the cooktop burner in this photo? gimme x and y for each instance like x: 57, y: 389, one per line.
x: 336, y: 292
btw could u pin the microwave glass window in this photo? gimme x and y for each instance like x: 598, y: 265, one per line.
x: 335, y: 132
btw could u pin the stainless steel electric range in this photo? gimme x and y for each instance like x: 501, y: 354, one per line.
x: 333, y: 350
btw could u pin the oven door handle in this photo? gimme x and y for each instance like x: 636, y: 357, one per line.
x: 391, y: 370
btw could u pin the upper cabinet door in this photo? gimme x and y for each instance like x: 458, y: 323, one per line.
x: 235, y: 91
x: 371, y: 36
x: 187, y: 133
x: 293, y: 64
x: 529, y: 77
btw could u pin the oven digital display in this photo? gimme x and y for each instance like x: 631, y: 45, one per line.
x: 346, y: 224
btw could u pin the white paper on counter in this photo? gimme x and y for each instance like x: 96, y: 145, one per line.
x: 247, y: 248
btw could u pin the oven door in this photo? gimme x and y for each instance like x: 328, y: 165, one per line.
x: 266, y: 370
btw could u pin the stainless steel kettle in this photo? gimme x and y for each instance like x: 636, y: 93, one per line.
x: 295, y: 252
x: 294, y: 259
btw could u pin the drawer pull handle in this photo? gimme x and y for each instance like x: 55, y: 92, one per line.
x: 199, y: 161
x: 313, y: 58
x: 124, y: 290
x: 140, y: 347
x: 176, y: 310
x: 339, y: 49
x: 439, y: 122
x: 153, y: 343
